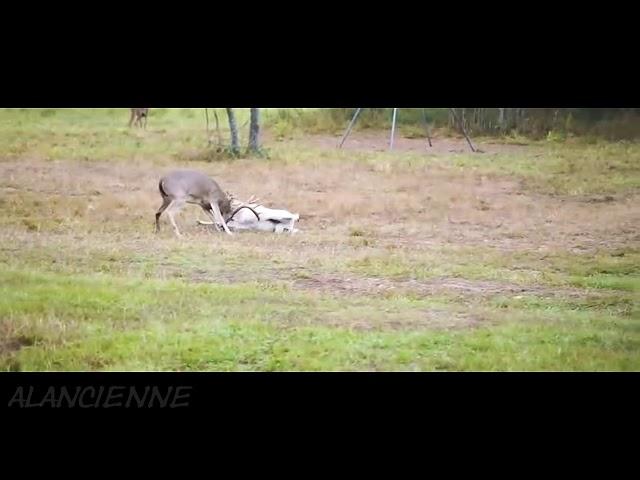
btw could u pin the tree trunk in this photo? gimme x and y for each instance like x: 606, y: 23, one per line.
x: 452, y: 118
x: 501, y: 118
x: 254, y: 131
x: 233, y: 127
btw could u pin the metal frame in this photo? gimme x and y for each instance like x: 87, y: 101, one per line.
x: 393, y: 128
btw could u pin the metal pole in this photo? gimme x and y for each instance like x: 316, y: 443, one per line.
x: 393, y: 128
x: 426, y: 126
x: 353, y: 121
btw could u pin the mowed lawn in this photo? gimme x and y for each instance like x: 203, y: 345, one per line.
x: 521, y: 258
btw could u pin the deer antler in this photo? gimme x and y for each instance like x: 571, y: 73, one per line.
x: 240, y: 208
x: 252, y: 199
x: 238, y: 205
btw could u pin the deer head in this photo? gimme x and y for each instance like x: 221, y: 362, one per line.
x: 237, y: 205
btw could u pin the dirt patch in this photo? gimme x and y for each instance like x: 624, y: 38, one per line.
x: 600, y: 199
x: 298, y: 278
x: 15, y: 344
x: 429, y: 205
x: 378, y: 141
x: 335, y: 284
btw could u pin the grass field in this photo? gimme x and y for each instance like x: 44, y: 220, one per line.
x: 520, y: 258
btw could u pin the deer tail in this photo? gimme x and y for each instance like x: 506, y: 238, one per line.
x: 162, y: 192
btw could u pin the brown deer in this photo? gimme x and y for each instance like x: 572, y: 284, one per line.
x: 137, y: 116
x: 188, y: 186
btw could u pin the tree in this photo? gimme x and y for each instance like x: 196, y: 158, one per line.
x: 233, y: 128
x: 254, y: 131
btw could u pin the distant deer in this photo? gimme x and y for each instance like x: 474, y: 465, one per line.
x: 137, y: 115
x: 188, y: 186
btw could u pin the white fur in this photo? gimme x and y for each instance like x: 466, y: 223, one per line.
x: 271, y: 220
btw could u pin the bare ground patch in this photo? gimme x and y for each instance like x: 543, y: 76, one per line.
x: 9, y: 345
x: 429, y: 205
x: 356, y: 285
x: 378, y: 141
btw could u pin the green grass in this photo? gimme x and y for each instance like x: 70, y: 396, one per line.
x: 102, y: 134
x: 568, y: 168
x: 605, y: 270
x: 93, y: 289
x: 574, y: 167
x: 109, y: 323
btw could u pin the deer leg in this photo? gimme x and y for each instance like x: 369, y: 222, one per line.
x: 210, y: 215
x: 175, y: 207
x: 166, y: 201
x: 219, y: 218
x: 131, y: 119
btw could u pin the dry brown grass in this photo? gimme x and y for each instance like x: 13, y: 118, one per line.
x: 350, y: 209
x: 398, y: 255
x: 380, y: 196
